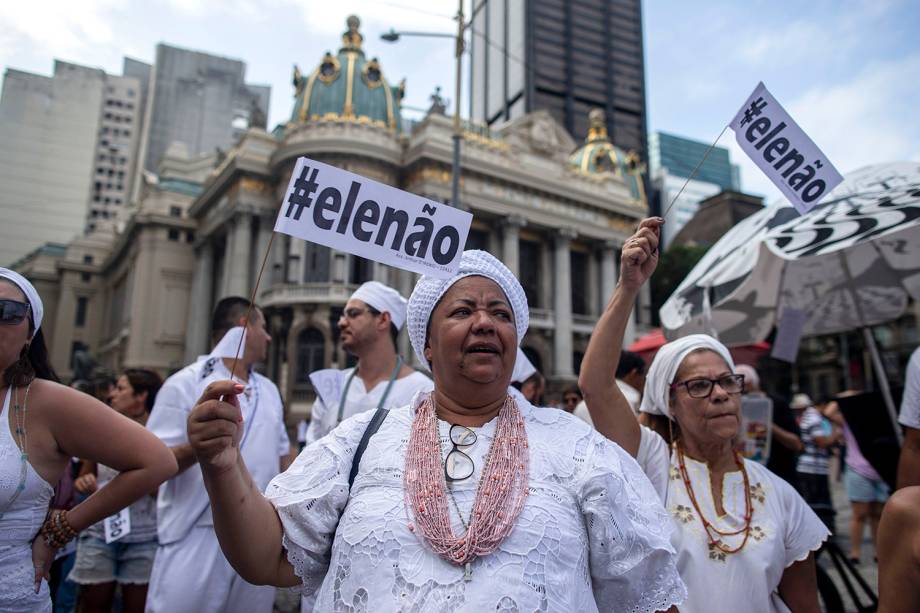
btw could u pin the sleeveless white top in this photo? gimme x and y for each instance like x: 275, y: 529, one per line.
x: 19, y: 525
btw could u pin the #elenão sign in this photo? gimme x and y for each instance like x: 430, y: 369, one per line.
x: 348, y: 212
x: 782, y: 150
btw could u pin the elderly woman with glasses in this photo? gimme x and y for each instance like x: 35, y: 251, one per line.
x: 744, y: 537
x: 464, y: 500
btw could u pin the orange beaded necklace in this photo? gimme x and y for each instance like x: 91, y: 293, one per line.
x: 714, y: 541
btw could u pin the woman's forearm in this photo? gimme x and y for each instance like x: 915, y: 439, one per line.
x: 609, y: 409
x: 247, y: 527
x: 126, y: 488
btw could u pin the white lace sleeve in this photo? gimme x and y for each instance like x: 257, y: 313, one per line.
x: 310, y: 497
x: 633, y: 566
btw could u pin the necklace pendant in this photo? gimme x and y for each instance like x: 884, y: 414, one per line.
x: 468, y: 573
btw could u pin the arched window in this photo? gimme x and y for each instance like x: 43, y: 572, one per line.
x: 311, y: 349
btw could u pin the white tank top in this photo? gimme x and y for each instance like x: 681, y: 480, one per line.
x: 20, y: 524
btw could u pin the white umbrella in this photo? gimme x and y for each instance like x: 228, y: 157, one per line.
x: 851, y: 262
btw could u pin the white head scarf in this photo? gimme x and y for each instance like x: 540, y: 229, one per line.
x: 664, y: 368
x: 383, y: 298
x: 429, y: 290
x: 750, y: 375
x: 35, y: 303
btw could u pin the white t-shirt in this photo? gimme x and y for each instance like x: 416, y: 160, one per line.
x: 633, y: 397
x: 182, y: 501
x: 592, y: 535
x: 324, y: 419
x: 910, y: 403
x: 784, y: 530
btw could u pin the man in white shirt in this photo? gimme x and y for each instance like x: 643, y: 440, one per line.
x: 190, y: 572
x: 630, y: 376
x: 369, y: 327
x: 909, y: 464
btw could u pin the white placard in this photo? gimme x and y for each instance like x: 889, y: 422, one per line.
x: 753, y: 441
x: 783, y: 151
x: 788, y: 334
x: 118, y: 526
x: 348, y: 212
x: 328, y: 384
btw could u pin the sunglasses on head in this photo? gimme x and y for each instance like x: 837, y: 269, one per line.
x: 12, y: 311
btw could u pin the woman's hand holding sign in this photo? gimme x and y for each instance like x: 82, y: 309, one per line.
x: 215, y: 427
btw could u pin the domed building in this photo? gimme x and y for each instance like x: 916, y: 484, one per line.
x: 556, y: 214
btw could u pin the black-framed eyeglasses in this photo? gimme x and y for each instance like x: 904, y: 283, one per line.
x: 13, y: 312
x: 702, y: 388
x: 458, y: 465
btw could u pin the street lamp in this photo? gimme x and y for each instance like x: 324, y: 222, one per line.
x: 391, y: 37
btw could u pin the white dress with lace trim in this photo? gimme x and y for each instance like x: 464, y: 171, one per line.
x: 592, y: 535
x: 784, y: 530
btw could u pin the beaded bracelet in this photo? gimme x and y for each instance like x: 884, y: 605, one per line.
x: 56, y: 530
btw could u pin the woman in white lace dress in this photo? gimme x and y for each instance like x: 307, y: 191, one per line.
x: 744, y: 536
x: 43, y: 425
x: 465, y: 500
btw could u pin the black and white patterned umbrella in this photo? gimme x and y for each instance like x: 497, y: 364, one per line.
x: 851, y: 262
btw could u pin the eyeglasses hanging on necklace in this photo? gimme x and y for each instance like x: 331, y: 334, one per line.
x: 458, y: 465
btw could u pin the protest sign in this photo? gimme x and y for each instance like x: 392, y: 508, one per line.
x: 328, y: 384
x: 788, y: 334
x: 756, y: 425
x: 782, y: 150
x: 117, y: 526
x: 348, y: 212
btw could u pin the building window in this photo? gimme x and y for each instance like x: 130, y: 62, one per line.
x: 173, y: 234
x: 80, y: 319
x: 311, y: 350
x: 529, y: 264
x: 579, y: 276
x: 87, y: 259
x: 477, y: 239
x: 189, y: 237
x: 85, y: 277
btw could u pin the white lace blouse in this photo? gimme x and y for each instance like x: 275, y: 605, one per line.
x: 592, y: 535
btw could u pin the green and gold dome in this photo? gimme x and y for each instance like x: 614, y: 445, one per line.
x: 347, y: 86
x: 598, y: 157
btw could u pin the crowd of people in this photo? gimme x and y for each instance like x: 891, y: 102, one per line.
x: 455, y: 488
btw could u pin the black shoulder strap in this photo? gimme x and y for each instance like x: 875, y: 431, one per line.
x: 372, y: 427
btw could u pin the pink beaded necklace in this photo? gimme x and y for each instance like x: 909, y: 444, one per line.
x: 499, y: 497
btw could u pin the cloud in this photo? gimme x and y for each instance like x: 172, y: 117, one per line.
x: 867, y: 119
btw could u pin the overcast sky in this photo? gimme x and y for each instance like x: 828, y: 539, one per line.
x: 847, y: 70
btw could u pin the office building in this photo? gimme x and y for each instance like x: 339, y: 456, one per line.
x: 672, y: 160
x: 68, y: 146
x: 564, y: 57
x: 200, y: 100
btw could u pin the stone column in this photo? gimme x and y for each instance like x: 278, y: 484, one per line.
x: 196, y: 331
x: 609, y: 272
x: 562, y: 304
x: 229, y: 249
x: 295, y: 253
x: 262, y: 240
x: 240, y: 259
x: 511, y: 242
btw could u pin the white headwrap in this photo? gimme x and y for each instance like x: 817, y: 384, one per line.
x: 429, y: 290
x: 750, y: 375
x: 383, y: 298
x: 664, y: 368
x: 35, y: 303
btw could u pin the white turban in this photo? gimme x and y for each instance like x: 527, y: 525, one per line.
x: 384, y: 299
x: 664, y: 368
x: 750, y: 375
x: 35, y: 303
x: 429, y: 290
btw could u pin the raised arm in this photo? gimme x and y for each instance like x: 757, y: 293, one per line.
x: 610, y: 412
x: 247, y: 526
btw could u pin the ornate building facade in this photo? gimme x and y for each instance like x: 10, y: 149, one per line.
x: 556, y: 213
